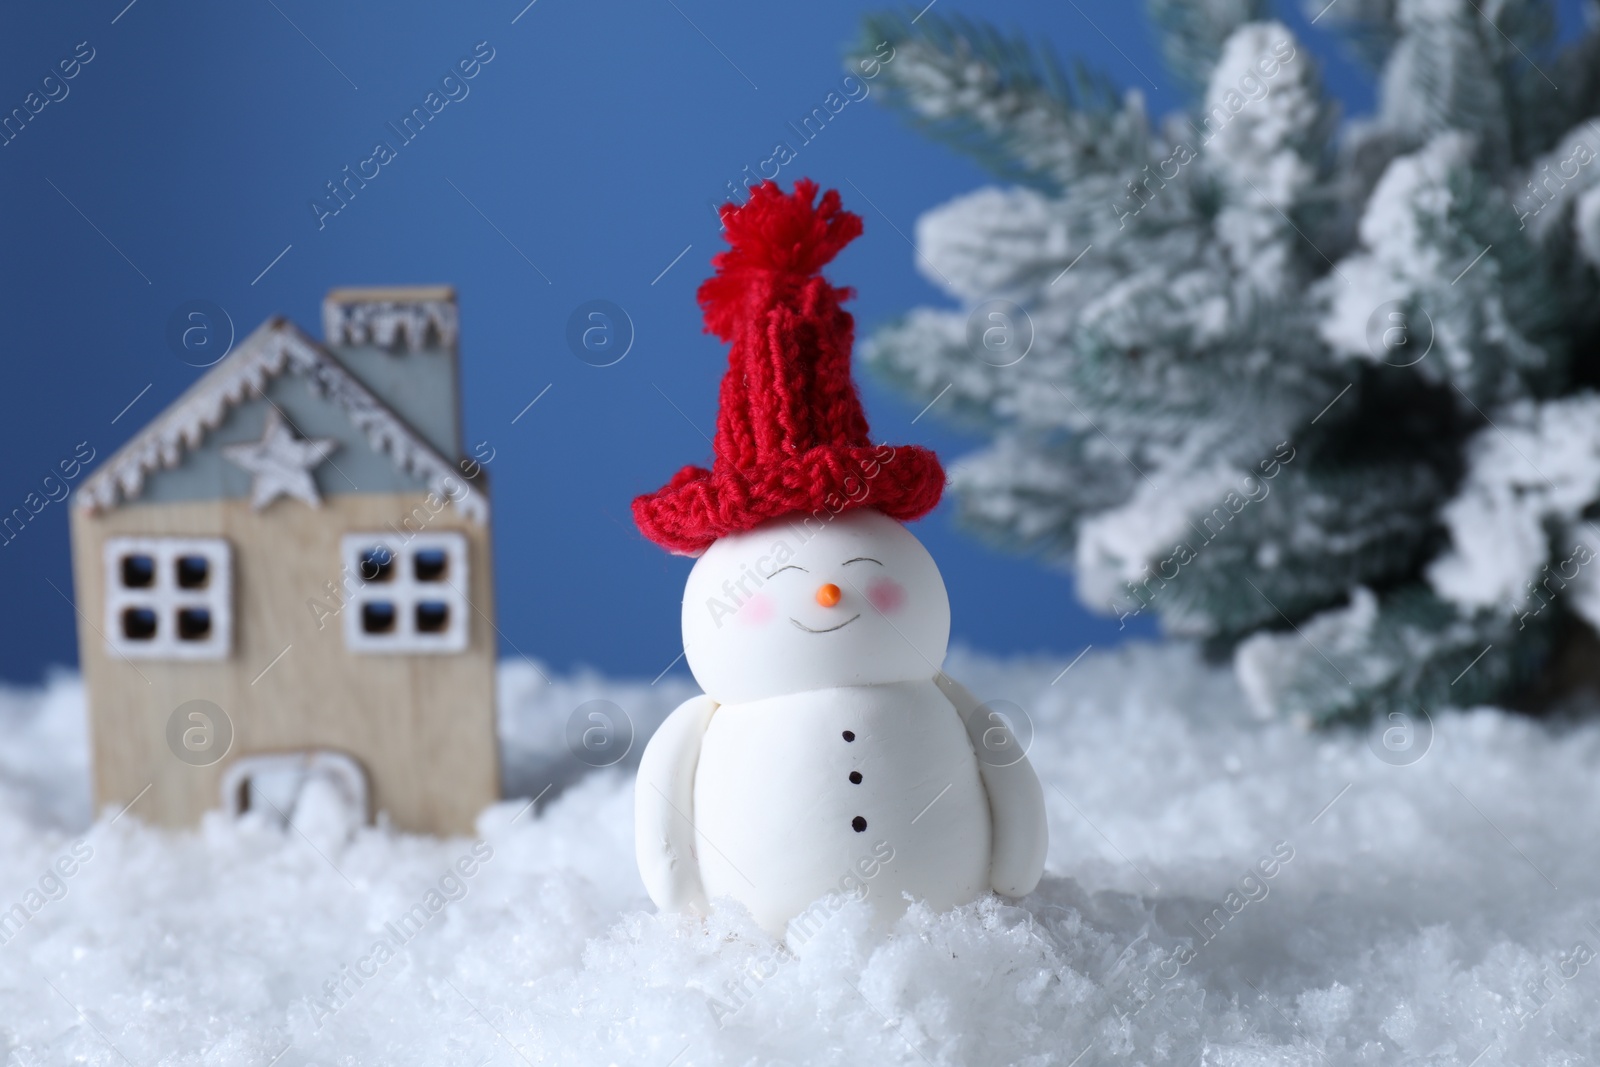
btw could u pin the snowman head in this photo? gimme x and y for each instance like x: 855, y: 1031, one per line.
x: 800, y: 604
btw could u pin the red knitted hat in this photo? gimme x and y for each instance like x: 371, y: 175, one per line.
x: 791, y: 435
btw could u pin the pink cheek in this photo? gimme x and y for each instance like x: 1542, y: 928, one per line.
x: 757, y: 611
x: 886, y: 595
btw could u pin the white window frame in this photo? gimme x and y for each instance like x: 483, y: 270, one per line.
x: 166, y: 598
x: 404, y: 591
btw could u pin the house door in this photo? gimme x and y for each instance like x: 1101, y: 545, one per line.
x: 312, y: 790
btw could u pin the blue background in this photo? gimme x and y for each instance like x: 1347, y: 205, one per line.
x: 596, y: 141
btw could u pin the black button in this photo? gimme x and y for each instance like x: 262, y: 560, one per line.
x: 855, y: 777
x: 859, y: 824
x: 849, y: 735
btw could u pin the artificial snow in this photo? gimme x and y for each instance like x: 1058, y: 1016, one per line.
x: 1529, y: 478
x: 1401, y: 253
x: 1220, y: 890
x: 993, y: 241
x: 1117, y: 546
x: 1262, y: 109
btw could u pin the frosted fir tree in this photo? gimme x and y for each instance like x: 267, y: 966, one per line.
x: 1316, y: 392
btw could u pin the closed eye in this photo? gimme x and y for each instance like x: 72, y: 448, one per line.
x: 787, y: 567
x: 862, y: 559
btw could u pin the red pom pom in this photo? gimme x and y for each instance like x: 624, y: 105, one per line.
x: 778, y: 239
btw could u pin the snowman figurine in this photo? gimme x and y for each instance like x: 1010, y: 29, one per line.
x: 829, y: 753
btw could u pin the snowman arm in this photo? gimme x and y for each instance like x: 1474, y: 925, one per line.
x: 1016, y: 802
x: 663, y: 809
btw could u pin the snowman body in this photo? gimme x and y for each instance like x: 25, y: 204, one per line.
x: 869, y: 791
x: 830, y: 754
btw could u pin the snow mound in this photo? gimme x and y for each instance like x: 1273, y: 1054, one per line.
x: 1220, y: 890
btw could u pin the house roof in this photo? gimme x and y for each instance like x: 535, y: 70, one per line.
x: 275, y: 348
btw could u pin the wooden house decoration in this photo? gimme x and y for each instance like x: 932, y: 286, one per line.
x: 296, y: 541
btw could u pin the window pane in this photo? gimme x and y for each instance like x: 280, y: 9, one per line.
x: 194, y: 624
x: 430, y: 564
x: 138, y: 571
x: 138, y: 624
x: 193, y: 572
x: 377, y: 564
x: 377, y: 617
x: 433, y: 616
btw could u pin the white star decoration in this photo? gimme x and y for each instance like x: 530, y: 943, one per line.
x: 281, y: 462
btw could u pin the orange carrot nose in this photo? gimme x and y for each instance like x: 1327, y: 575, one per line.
x: 828, y: 595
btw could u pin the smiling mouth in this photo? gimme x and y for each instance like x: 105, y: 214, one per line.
x: 830, y: 629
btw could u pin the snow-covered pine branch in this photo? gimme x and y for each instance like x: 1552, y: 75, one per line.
x: 1010, y: 106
